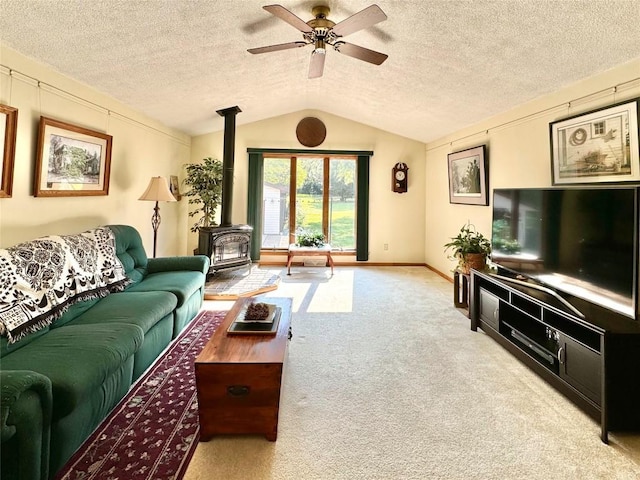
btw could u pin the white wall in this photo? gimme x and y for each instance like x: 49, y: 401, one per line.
x: 395, y: 219
x: 518, y: 151
x: 142, y: 148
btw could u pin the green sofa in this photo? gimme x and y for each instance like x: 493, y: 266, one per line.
x: 58, y: 383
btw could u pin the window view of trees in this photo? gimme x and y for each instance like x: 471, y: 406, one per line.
x: 324, y: 200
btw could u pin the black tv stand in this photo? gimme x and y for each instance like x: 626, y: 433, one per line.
x: 541, y: 288
x: 588, y: 353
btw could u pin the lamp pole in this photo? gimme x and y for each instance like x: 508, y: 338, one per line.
x: 157, y: 191
x: 155, y: 223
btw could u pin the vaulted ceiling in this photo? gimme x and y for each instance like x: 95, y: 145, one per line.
x: 451, y: 63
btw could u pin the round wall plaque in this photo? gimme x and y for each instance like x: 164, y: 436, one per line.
x: 311, y: 132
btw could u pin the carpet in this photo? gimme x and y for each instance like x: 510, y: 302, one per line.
x: 385, y: 380
x: 241, y: 283
x: 153, y: 432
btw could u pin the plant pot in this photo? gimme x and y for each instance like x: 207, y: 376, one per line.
x: 473, y: 260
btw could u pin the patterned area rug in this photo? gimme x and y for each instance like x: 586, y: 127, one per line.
x: 241, y: 283
x: 153, y: 432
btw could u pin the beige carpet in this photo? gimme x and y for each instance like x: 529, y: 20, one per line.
x: 385, y: 380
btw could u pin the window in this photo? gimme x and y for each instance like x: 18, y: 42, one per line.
x: 598, y: 128
x: 341, y: 210
x: 307, y: 193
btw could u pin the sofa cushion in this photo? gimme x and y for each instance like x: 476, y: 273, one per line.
x: 183, y: 284
x: 6, y: 347
x: 77, y: 359
x: 130, y: 251
x: 74, y: 311
x: 144, y: 309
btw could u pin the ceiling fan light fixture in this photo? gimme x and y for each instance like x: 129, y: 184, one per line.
x: 320, y: 47
x: 320, y: 32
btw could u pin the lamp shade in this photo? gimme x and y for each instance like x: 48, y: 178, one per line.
x: 158, y: 191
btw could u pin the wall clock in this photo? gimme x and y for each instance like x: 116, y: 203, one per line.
x: 399, y: 177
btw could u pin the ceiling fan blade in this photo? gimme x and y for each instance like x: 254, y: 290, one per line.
x: 361, y: 53
x: 275, y: 48
x: 316, y: 67
x: 363, y: 19
x: 292, y: 19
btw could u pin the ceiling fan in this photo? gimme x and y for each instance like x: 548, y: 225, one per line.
x: 320, y: 32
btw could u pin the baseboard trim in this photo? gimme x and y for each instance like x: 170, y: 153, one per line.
x: 275, y: 263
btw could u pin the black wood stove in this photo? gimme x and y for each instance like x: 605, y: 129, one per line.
x: 227, y: 246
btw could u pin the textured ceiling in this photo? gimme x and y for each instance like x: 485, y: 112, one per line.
x: 451, y: 63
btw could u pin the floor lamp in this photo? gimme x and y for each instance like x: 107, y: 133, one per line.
x: 157, y: 191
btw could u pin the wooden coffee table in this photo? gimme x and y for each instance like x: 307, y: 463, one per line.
x: 239, y: 377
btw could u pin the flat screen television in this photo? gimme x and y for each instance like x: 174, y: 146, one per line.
x: 581, y: 241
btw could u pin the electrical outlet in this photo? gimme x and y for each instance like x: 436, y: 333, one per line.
x: 386, y: 246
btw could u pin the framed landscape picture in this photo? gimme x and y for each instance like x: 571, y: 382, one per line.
x: 8, y: 129
x: 600, y: 146
x: 71, y: 160
x: 468, y: 179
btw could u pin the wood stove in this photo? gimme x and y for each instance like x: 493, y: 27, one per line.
x: 227, y: 246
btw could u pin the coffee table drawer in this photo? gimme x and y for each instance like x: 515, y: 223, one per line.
x: 238, y: 399
x: 241, y: 385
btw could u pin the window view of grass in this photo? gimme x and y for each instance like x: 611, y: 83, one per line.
x: 342, y: 215
x: 340, y: 230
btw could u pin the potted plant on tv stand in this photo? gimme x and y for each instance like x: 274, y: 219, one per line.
x: 470, y: 248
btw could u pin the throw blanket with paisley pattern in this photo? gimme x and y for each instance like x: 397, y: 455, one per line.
x: 42, y: 278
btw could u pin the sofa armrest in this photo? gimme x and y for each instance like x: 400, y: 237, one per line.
x: 198, y: 263
x: 25, y: 409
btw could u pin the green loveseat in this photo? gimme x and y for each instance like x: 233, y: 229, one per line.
x: 58, y: 383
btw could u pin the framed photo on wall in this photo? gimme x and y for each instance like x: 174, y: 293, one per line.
x: 468, y: 177
x: 71, y: 160
x: 600, y: 146
x: 174, y: 187
x: 8, y: 129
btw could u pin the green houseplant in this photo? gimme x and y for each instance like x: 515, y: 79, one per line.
x: 205, y: 190
x: 470, y: 248
x: 306, y: 239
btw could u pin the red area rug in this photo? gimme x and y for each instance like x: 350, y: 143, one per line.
x: 153, y: 432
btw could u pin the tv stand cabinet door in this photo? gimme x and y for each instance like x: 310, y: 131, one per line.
x: 581, y: 368
x: 490, y: 309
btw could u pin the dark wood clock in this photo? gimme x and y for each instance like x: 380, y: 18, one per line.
x: 399, y: 177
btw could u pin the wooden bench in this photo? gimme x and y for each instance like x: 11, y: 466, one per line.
x: 295, y: 250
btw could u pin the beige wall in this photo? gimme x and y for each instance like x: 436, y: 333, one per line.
x: 518, y: 152
x: 141, y: 148
x: 395, y: 219
x: 415, y: 224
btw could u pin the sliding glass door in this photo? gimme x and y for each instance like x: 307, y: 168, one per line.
x: 312, y: 194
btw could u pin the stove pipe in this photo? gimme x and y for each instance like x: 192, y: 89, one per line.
x: 228, y: 155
